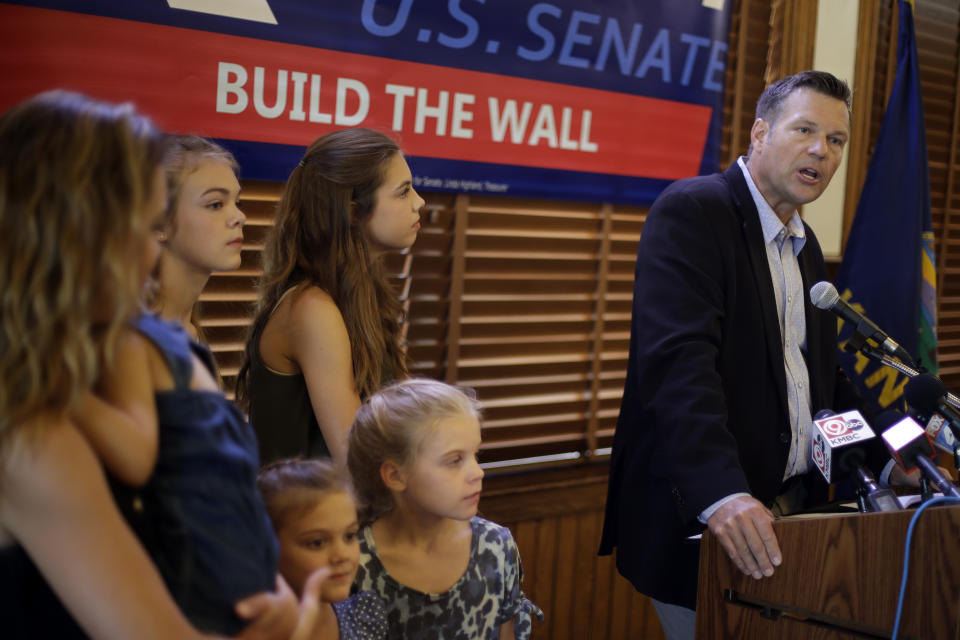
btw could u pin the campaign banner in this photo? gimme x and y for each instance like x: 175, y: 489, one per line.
x: 596, y: 101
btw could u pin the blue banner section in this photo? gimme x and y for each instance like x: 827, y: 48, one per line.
x: 671, y: 50
x: 888, y: 266
x: 275, y: 162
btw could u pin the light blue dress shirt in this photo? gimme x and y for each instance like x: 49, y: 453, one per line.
x: 783, y: 243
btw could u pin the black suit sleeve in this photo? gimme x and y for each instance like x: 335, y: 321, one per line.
x: 679, y: 308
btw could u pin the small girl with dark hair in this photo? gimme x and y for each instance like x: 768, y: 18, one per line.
x: 326, y: 331
x: 314, y: 514
x: 441, y: 571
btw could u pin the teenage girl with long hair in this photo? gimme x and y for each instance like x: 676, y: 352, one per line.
x: 326, y: 331
x: 204, y: 226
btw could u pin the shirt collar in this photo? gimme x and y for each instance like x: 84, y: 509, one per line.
x: 769, y: 222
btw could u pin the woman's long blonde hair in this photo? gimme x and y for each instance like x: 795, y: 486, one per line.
x: 75, y: 177
x: 318, y: 239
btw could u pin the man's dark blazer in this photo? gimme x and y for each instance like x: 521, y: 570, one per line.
x: 704, y: 411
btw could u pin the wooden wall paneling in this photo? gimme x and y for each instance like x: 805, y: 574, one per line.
x: 584, y: 570
x: 604, y: 573
x: 622, y: 603
x: 644, y: 622
x: 543, y: 583
x: 525, y: 533
x: 566, y: 596
x: 581, y: 593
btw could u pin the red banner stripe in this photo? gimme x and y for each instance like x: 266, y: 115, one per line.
x: 172, y: 74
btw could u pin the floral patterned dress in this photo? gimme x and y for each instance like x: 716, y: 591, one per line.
x: 487, y: 595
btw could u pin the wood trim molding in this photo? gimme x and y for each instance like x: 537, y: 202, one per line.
x: 859, y: 148
x: 603, y: 271
x: 458, y: 270
x: 546, y: 493
x: 793, y: 34
x: 743, y: 15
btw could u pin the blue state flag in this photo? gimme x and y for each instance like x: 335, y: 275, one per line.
x: 888, y: 269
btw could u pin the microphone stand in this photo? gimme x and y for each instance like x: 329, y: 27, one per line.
x: 926, y: 491
x: 858, y: 342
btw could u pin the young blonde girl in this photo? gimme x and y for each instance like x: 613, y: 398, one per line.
x: 204, y: 226
x: 441, y: 570
x: 80, y: 187
x: 326, y: 331
x: 314, y: 514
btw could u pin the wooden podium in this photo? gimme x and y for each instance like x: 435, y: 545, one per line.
x: 840, y: 579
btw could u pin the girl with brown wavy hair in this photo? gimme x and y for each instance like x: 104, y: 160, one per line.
x: 81, y: 189
x: 327, y: 327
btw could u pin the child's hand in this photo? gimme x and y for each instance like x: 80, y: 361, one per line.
x: 272, y: 615
x: 310, y: 607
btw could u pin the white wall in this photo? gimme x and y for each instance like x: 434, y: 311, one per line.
x: 835, y: 51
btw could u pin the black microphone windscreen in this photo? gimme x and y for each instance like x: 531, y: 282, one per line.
x: 823, y: 295
x: 824, y: 413
x: 851, y: 458
x: 924, y: 392
x: 887, y: 419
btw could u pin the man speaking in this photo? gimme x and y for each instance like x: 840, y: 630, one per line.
x: 728, y: 358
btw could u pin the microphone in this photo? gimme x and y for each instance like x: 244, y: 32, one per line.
x: 834, y: 439
x: 838, y: 446
x: 911, y: 448
x: 824, y: 296
x: 873, y: 497
x: 927, y: 397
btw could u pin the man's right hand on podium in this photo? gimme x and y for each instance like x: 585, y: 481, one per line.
x: 745, y: 529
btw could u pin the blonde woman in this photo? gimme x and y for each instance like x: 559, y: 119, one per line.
x: 80, y: 190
